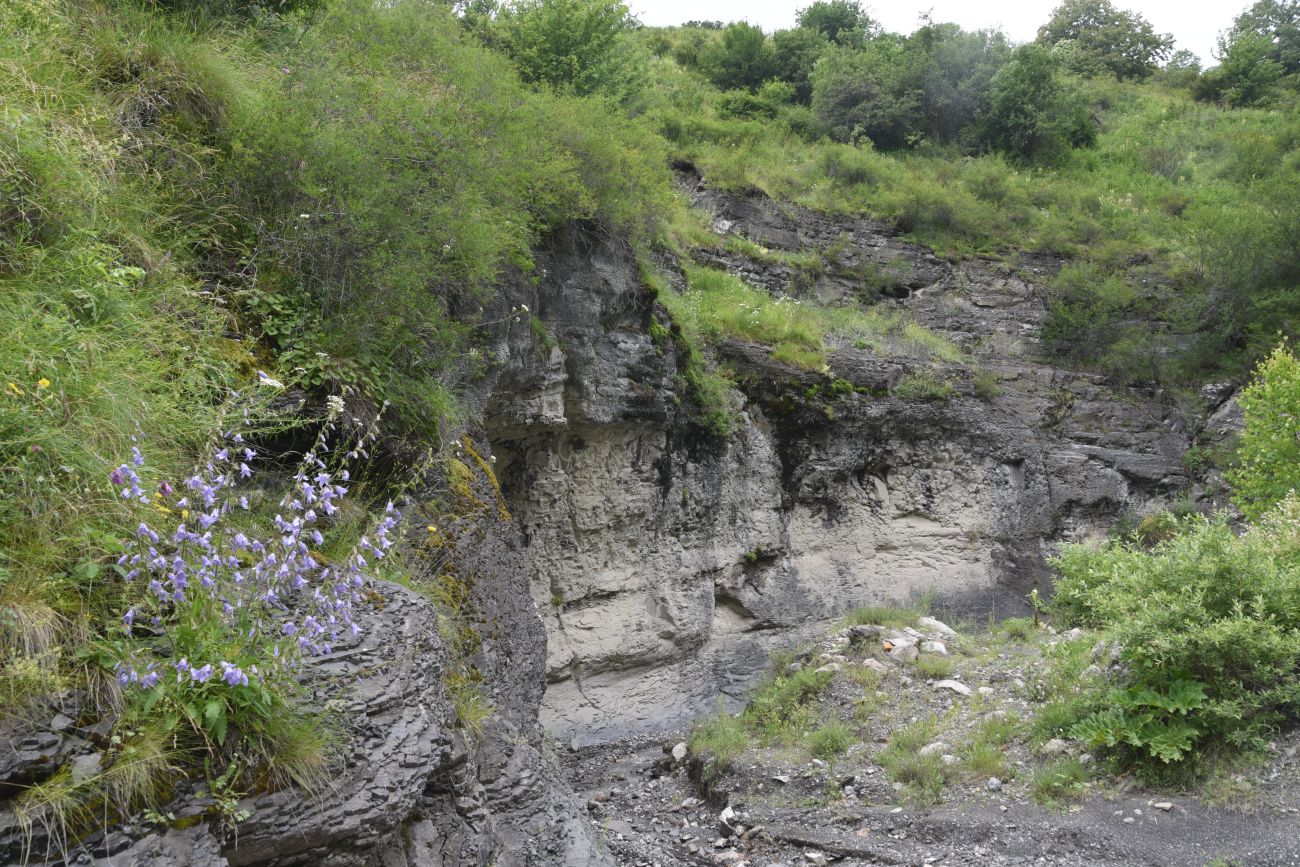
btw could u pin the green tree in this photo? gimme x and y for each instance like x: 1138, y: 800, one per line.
x: 1278, y: 22
x: 867, y: 94
x: 794, y: 55
x: 1034, y: 113
x: 742, y: 58
x: 952, y: 69
x: 1182, y: 69
x: 843, y: 22
x: 1099, y: 38
x: 1246, y: 72
x: 575, y: 44
x: 1268, y: 459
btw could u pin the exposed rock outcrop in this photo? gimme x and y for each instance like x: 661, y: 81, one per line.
x: 667, y: 563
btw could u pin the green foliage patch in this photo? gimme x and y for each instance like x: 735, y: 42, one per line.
x: 1209, y: 625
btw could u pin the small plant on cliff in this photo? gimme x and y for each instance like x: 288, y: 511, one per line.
x: 218, y: 621
x: 924, y: 385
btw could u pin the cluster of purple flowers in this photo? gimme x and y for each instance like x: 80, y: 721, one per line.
x: 271, y: 593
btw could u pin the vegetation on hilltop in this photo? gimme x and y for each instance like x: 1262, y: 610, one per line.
x: 1170, y: 187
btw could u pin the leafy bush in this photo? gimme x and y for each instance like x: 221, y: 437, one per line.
x: 581, y: 45
x: 1084, y: 311
x: 1268, y: 458
x: 742, y: 58
x: 862, y: 94
x: 1034, y: 113
x: 1209, y: 623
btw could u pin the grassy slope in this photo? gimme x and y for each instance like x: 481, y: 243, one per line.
x: 1181, y: 206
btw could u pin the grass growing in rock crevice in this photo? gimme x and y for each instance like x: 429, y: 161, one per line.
x: 718, y: 305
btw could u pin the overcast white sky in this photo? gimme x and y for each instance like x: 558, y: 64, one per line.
x: 1195, y: 24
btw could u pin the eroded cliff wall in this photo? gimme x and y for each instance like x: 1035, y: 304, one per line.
x: 666, y: 563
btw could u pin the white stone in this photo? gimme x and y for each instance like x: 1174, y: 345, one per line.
x: 954, y: 685
x: 937, y: 647
x: 936, y: 626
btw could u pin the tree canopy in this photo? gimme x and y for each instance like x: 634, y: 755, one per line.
x: 566, y: 43
x: 1278, y: 23
x: 843, y: 22
x: 1096, y: 37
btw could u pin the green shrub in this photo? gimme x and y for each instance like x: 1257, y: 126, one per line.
x: 1209, y: 622
x: 742, y: 58
x: 1084, y: 311
x: 1268, y: 457
x: 986, y: 385
x: 1034, y: 113
x: 577, y: 44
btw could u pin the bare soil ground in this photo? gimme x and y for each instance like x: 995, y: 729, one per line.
x: 775, y: 804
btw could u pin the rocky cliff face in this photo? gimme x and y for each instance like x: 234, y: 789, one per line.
x: 666, y: 563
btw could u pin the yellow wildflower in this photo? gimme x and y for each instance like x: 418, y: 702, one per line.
x: 14, y: 389
x: 42, y: 383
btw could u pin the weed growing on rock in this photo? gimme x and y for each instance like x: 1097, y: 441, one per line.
x: 1059, y: 782
x: 829, y: 741
x: 923, y: 774
x: 934, y: 667
x: 887, y: 615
